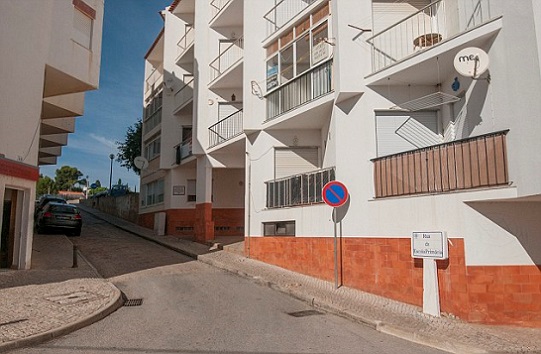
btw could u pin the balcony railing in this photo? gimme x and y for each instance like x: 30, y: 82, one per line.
x: 153, y: 80
x: 462, y: 164
x: 184, y: 94
x: 227, y: 59
x: 301, y: 189
x: 185, y: 42
x: 304, y: 88
x: 183, y: 150
x: 226, y: 129
x: 216, y: 6
x: 431, y: 25
x: 283, y: 12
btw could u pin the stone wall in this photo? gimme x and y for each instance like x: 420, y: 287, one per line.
x: 125, y: 206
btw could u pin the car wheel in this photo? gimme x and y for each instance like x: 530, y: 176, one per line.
x: 77, y: 232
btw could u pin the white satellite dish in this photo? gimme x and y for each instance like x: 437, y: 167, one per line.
x: 140, y: 162
x: 471, y: 62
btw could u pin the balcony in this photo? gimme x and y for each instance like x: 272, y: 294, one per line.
x: 184, y: 95
x: 153, y: 82
x: 226, y: 13
x: 424, y: 29
x: 458, y: 165
x: 283, y: 12
x: 225, y: 63
x: 183, y: 150
x: 226, y: 129
x: 304, y: 88
x: 185, y: 47
x: 154, y: 120
x: 298, y: 190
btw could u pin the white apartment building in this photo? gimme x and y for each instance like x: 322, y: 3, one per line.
x: 424, y: 109
x: 50, y: 56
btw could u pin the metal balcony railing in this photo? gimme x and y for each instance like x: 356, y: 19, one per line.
x: 227, y: 59
x: 183, y: 150
x: 283, y: 12
x: 154, y: 80
x: 184, y: 94
x: 430, y: 25
x: 300, y: 189
x: 304, y: 88
x: 226, y: 129
x: 185, y: 42
x: 216, y: 6
x: 462, y: 164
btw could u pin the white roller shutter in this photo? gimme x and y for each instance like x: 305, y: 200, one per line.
x: 397, y: 132
x: 225, y: 109
x: 389, y: 12
x: 82, y: 29
x: 292, y: 161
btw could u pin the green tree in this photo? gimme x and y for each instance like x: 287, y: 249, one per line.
x: 130, y: 148
x: 67, y: 177
x: 45, y: 185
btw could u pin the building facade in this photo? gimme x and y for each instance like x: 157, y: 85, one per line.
x: 50, y: 57
x: 424, y: 109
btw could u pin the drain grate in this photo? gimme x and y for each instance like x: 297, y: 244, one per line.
x: 133, y: 302
x: 305, y: 313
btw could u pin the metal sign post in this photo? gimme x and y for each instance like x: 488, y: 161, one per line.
x: 335, y: 194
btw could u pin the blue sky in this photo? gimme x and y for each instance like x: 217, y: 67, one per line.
x: 129, y: 28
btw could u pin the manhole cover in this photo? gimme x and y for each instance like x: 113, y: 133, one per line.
x: 133, y: 302
x: 305, y: 313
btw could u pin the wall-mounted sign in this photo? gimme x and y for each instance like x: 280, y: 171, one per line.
x: 179, y: 190
x: 471, y: 62
x: 431, y: 245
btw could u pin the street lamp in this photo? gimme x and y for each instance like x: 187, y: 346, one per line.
x: 112, y: 156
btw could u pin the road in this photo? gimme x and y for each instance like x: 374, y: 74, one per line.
x: 191, y: 307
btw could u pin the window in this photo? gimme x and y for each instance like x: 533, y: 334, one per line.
x: 299, y: 50
x: 191, y: 190
x: 153, y: 193
x: 152, y: 149
x: 83, y: 22
x: 279, y: 228
x: 152, y: 113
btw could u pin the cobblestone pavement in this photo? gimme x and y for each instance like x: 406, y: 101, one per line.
x: 53, y: 299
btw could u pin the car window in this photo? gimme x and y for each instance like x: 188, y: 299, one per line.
x: 65, y: 209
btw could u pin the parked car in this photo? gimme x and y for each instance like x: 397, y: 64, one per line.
x: 63, y: 216
x: 43, y: 200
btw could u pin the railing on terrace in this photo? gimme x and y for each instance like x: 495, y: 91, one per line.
x: 183, y: 150
x: 184, y: 94
x: 185, y: 42
x: 432, y: 24
x: 153, y: 79
x: 226, y: 129
x: 216, y: 6
x: 227, y: 59
x: 153, y: 121
x: 283, y: 12
x: 462, y: 164
x: 296, y: 190
x: 304, y: 88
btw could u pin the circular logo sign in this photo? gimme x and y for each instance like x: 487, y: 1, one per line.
x: 471, y: 62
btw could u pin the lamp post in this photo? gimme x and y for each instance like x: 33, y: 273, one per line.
x: 112, y: 156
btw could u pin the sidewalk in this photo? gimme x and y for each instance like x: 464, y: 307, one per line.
x: 52, y: 298
x: 30, y: 314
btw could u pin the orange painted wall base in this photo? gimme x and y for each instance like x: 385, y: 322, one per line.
x: 383, y: 266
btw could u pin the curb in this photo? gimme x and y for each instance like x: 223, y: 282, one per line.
x: 36, y: 339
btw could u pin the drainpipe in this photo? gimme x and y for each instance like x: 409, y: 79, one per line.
x: 249, y: 204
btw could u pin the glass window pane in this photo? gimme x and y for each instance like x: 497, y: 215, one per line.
x: 320, y: 49
x: 286, y: 64
x: 302, y: 59
x: 272, y: 72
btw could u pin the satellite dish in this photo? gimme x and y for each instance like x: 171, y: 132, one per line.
x: 140, y: 162
x: 471, y: 62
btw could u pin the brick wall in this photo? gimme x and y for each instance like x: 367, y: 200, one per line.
x: 383, y: 266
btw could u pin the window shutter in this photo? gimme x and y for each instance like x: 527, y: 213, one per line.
x: 292, y: 161
x: 82, y: 29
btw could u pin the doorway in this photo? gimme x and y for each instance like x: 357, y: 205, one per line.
x: 9, y: 218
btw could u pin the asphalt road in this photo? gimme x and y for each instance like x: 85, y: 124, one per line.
x: 190, y: 307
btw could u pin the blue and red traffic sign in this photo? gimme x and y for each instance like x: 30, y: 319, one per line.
x: 335, y: 194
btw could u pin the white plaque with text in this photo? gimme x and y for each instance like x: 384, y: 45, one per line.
x: 431, y: 245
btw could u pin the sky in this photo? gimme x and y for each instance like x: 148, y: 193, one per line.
x: 129, y: 29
